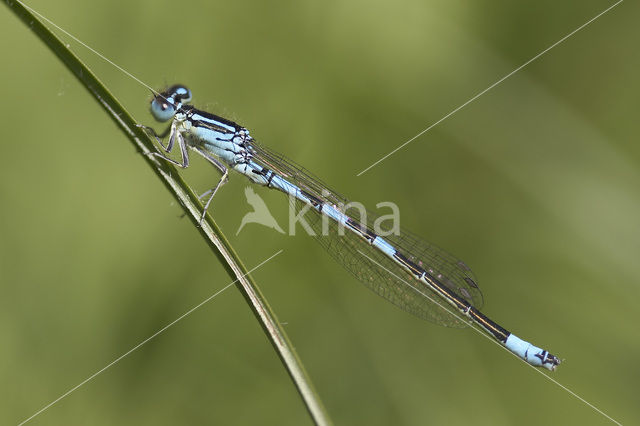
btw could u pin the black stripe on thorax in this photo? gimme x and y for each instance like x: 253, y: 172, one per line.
x: 210, y: 121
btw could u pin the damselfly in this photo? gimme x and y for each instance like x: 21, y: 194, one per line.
x: 404, y: 269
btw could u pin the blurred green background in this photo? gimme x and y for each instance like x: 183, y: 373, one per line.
x: 535, y: 185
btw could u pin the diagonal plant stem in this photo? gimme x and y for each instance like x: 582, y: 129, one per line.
x: 183, y: 194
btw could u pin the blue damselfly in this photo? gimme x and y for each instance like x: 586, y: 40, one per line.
x: 404, y: 269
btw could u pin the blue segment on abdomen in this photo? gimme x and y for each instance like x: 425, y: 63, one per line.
x: 287, y: 187
x: 525, y: 350
x: 382, y: 245
x: 329, y: 210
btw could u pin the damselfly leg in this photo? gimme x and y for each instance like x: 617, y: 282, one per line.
x: 176, y: 135
x: 404, y: 269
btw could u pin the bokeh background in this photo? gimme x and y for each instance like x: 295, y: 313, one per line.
x: 536, y: 185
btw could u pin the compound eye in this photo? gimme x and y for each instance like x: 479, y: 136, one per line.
x: 162, y: 108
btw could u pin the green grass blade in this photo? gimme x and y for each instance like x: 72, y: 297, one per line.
x: 183, y: 194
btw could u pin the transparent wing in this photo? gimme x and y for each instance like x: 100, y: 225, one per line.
x: 346, y: 248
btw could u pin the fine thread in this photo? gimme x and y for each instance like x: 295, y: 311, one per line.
x: 488, y: 88
x: 474, y: 328
x: 77, y: 40
x: 277, y: 253
x: 94, y: 375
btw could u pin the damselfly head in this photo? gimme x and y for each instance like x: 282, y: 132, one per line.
x: 166, y: 104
